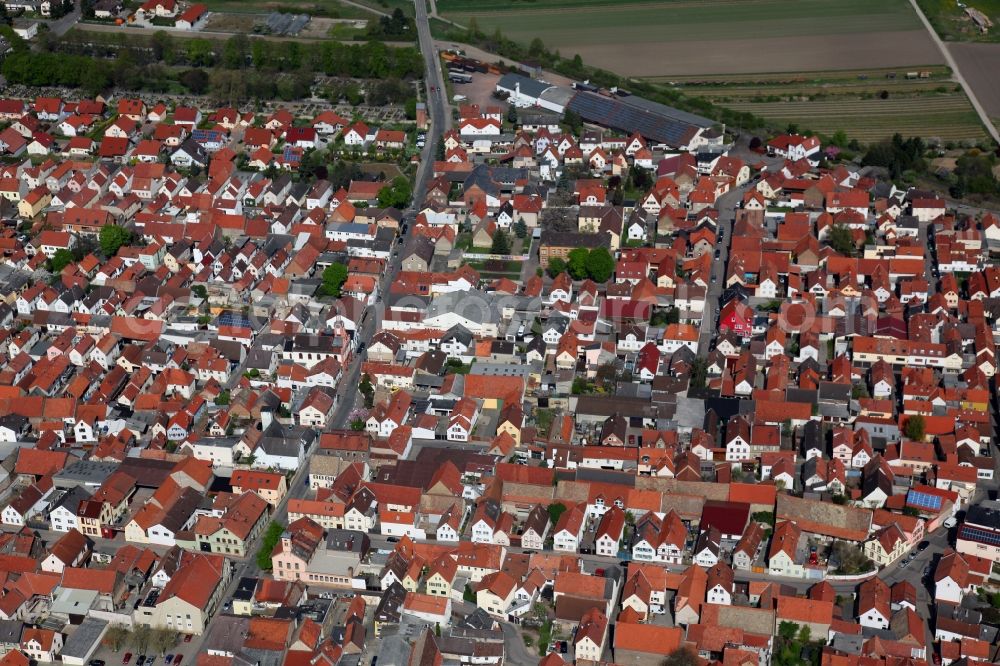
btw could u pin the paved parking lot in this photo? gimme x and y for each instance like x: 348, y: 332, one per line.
x: 480, y: 91
x: 188, y: 650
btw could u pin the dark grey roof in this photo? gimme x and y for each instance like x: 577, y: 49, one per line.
x: 526, y: 86
x: 71, y: 499
x: 555, y: 238
x: 84, y: 471
x: 458, y: 333
x: 10, y: 631
x: 986, y: 514
x: 82, y: 642
x: 654, y: 121
x: 388, y: 609
x: 347, y: 541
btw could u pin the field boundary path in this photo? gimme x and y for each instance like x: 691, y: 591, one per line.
x: 957, y: 73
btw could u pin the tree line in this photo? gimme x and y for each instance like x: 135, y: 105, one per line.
x: 234, y: 70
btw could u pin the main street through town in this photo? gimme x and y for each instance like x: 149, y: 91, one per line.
x: 347, y: 393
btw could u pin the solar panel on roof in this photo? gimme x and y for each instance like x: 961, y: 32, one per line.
x: 233, y: 319
x: 650, y: 119
x: 924, y: 500
x: 981, y: 536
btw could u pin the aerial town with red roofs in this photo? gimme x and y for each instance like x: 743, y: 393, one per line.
x: 557, y: 375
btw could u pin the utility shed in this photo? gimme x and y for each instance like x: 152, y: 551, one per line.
x: 84, y: 641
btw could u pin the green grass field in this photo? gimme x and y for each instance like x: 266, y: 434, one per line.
x: 952, y: 24
x: 598, y: 21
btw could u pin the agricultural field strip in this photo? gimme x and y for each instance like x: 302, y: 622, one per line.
x: 883, y: 107
x: 657, y: 21
x: 919, y: 89
x: 944, y: 116
x: 810, y: 77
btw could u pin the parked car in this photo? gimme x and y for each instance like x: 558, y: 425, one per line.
x: 127, y: 658
x: 923, y: 545
x: 177, y: 659
x: 169, y: 659
x: 951, y: 522
x: 188, y: 637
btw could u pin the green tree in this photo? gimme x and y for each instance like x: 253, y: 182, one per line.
x: 915, y: 428
x: 200, y: 291
x: 195, y: 80
x: 556, y: 509
x: 163, y: 47
x: 259, y: 53
x: 600, y: 265
x: 334, y: 277
x: 512, y: 114
x: 357, y: 425
x: 113, y: 237
x: 199, y: 53
x: 116, y: 637
x: 536, y: 48
x: 788, y: 630
x: 235, y: 51
x: 468, y: 594
x: 841, y: 240
x: 395, y: 195
x: 682, y: 656
x: 162, y: 640
x: 141, y: 637
x: 573, y: 121
x: 974, y: 174
x: 60, y: 260
x: 267, y: 544
x: 555, y: 267
x: 577, y: 263
x: 367, y: 390
x: 501, y: 242
x: 520, y: 229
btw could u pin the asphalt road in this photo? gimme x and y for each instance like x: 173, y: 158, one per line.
x: 347, y: 389
x: 727, y: 205
x: 438, y: 104
x: 61, y: 26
